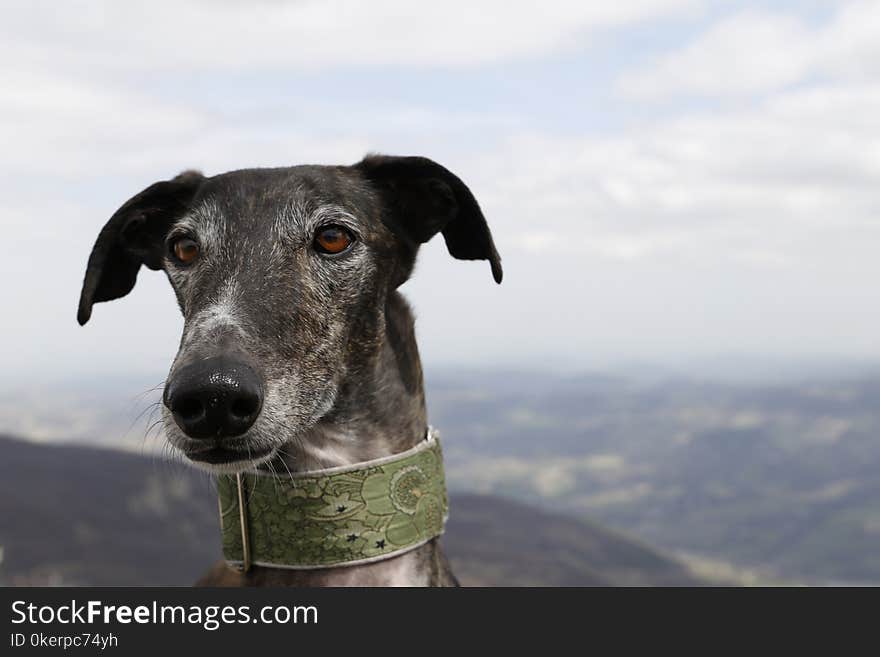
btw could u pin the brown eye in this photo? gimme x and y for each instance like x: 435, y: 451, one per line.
x: 186, y: 250
x: 332, y: 239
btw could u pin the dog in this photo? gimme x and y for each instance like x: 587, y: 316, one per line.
x: 298, y: 352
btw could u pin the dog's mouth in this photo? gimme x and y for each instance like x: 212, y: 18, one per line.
x: 228, y: 458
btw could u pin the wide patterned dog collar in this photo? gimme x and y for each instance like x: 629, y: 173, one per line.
x: 335, y: 517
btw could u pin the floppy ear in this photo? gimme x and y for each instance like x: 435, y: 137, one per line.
x: 134, y: 236
x: 425, y: 198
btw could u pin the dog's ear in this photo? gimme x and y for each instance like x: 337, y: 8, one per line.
x: 134, y: 236
x: 424, y: 198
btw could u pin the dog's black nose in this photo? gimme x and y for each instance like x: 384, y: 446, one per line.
x: 214, y: 398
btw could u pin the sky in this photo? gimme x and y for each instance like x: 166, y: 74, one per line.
x: 667, y: 181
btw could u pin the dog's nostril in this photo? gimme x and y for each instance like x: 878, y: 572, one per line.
x: 244, y: 407
x: 190, y: 409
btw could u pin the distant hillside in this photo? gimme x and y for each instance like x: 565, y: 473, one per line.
x: 494, y: 541
x: 77, y: 515
x: 780, y: 478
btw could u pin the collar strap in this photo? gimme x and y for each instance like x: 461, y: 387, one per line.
x: 338, y: 516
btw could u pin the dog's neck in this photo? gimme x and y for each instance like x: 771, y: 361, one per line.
x: 381, y: 413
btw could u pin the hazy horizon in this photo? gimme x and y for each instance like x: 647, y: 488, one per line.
x: 721, y: 368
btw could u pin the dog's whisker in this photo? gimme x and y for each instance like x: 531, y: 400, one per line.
x: 275, y: 479
x: 153, y: 426
x: 146, y: 392
x: 149, y: 409
x: 284, y: 463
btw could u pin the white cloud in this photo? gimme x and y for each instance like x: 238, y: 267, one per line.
x: 56, y: 125
x: 90, y: 86
x: 309, y: 35
x: 752, y: 231
x: 750, y: 185
x: 755, y: 52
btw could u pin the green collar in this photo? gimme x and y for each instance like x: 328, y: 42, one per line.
x: 335, y: 517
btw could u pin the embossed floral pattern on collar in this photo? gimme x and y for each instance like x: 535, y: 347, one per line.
x: 340, y: 516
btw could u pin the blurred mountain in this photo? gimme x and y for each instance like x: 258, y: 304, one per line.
x: 781, y: 477
x: 494, y: 542
x: 82, y: 515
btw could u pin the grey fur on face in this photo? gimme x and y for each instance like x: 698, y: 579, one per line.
x: 261, y: 293
x: 326, y: 340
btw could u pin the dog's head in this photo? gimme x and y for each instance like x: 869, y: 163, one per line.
x: 282, y: 276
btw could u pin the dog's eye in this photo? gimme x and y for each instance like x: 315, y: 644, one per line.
x: 185, y: 249
x: 332, y: 239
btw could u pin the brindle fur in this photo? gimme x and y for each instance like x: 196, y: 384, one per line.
x: 331, y: 338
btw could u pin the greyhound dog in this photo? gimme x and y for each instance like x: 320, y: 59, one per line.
x: 298, y: 353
